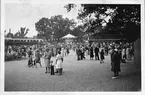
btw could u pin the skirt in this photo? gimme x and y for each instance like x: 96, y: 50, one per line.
x: 59, y: 64
x: 47, y: 62
x: 42, y: 62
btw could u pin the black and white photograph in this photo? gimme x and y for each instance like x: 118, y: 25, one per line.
x: 72, y: 46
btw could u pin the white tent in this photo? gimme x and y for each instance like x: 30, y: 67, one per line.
x: 69, y: 36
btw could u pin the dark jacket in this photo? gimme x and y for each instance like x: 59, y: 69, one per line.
x: 96, y: 50
x: 115, y: 62
x: 102, y: 54
x: 78, y: 51
x: 91, y: 52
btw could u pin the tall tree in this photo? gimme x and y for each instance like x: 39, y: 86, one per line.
x: 78, y: 31
x: 122, y: 18
x: 9, y: 35
x: 21, y: 33
x: 56, y: 26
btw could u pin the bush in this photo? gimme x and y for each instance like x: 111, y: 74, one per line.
x: 12, y: 56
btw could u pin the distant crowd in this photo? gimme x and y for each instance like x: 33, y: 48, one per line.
x: 42, y: 55
x: 98, y: 50
x: 119, y: 53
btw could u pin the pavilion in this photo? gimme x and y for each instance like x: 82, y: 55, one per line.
x: 69, y: 38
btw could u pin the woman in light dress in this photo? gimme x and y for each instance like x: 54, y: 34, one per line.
x: 42, y: 59
x: 123, y: 55
x: 47, y: 57
x: 62, y: 52
x: 59, y: 61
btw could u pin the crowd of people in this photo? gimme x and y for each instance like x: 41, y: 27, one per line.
x: 37, y: 54
x: 119, y: 53
x: 98, y: 50
x: 42, y: 55
x: 13, y: 52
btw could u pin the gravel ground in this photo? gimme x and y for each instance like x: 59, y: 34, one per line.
x: 84, y: 75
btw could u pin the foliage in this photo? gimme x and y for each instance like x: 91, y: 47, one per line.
x: 21, y: 33
x: 56, y: 25
x: 78, y: 31
x: 116, y: 17
x: 10, y: 35
x: 13, y: 56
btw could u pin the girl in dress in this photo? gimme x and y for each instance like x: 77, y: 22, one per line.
x: 59, y: 61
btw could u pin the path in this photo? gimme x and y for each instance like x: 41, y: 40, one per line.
x: 84, y: 75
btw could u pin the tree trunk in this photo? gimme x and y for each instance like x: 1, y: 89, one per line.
x: 137, y: 54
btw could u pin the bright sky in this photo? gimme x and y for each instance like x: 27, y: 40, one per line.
x: 26, y: 15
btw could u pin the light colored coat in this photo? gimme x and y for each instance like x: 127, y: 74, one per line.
x: 59, y: 61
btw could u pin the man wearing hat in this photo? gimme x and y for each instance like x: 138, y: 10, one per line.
x: 115, y: 63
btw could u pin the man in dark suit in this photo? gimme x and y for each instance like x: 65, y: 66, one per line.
x: 115, y: 64
x: 78, y: 52
x: 96, y: 53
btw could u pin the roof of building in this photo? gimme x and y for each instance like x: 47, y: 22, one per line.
x: 69, y: 36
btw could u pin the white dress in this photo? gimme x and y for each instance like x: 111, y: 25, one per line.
x: 59, y: 61
x: 34, y: 55
x: 42, y: 59
x: 62, y: 52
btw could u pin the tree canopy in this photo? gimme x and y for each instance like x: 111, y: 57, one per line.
x: 56, y: 26
x: 21, y: 33
x: 9, y: 35
x: 119, y: 18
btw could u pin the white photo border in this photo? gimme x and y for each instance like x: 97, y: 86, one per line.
x: 2, y: 66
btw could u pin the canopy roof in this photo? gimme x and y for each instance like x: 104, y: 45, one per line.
x: 69, y: 36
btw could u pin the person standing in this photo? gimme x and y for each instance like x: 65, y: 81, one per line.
x: 115, y: 64
x: 59, y: 61
x: 47, y: 57
x: 96, y: 53
x: 106, y: 49
x: 102, y: 56
x: 42, y: 58
x: 34, y: 56
x: 82, y: 53
x: 123, y: 55
x: 30, y: 61
x: 91, y: 53
x: 37, y: 60
x: 127, y: 52
x: 63, y: 52
x: 78, y: 52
